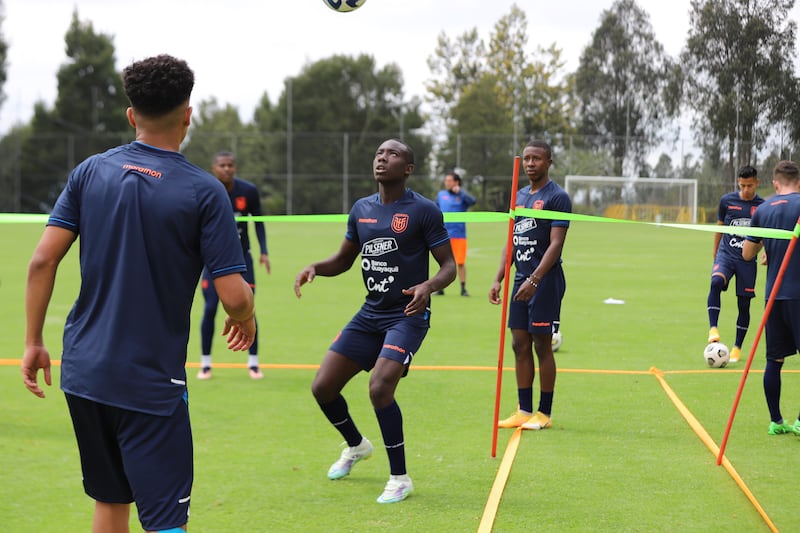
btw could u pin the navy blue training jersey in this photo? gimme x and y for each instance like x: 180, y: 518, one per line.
x: 780, y: 212
x: 148, y: 220
x: 733, y: 211
x: 532, y: 235
x: 246, y: 201
x: 395, y: 242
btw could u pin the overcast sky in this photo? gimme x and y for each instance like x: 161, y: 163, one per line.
x: 241, y: 48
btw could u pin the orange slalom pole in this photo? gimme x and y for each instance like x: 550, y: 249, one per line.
x: 503, y: 302
x: 778, y: 279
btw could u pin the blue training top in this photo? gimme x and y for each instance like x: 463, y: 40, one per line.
x: 532, y: 235
x: 148, y: 221
x: 779, y: 212
x: 459, y: 202
x: 245, y: 201
x: 395, y: 242
x: 733, y: 211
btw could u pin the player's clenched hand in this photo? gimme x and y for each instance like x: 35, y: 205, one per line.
x: 421, y: 296
x: 494, y: 293
x: 525, y: 292
x: 305, y: 276
x: 241, y: 334
x: 35, y: 358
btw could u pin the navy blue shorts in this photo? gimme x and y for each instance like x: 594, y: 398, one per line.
x: 783, y: 329
x: 129, y: 456
x: 367, y: 337
x: 745, y: 272
x: 538, y: 314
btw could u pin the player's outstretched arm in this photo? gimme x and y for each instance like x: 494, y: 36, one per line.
x: 339, y: 262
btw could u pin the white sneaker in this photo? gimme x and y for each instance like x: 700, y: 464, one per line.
x: 350, y: 456
x: 397, y: 489
x: 538, y: 421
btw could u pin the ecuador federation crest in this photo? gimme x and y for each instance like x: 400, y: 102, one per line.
x: 241, y: 203
x: 399, y: 222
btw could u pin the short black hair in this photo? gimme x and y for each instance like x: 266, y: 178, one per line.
x: 747, y: 171
x: 456, y: 176
x: 157, y: 85
x: 410, y: 151
x: 223, y: 153
x: 535, y: 143
x: 788, y: 170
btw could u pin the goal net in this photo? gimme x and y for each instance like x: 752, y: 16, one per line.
x: 646, y: 199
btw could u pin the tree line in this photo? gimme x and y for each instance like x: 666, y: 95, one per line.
x: 311, y: 150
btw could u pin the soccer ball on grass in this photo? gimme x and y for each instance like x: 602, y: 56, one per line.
x: 557, y: 340
x: 716, y: 355
x: 343, y: 6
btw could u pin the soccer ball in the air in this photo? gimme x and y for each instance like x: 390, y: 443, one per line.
x: 557, y: 340
x: 343, y: 6
x: 716, y: 355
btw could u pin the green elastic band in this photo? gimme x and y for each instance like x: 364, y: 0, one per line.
x: 482, y: 216
x: 713, y: 228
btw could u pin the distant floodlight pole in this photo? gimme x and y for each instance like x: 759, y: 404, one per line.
x: 346, y: 173
x: 504, y: 302
x: 778, y: 279
x: 289, y: 146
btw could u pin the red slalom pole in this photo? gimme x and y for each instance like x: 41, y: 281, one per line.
x: 504, y: 301
x: 778, y: 279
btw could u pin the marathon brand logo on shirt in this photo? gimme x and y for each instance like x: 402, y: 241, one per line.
x: 143, y: 170
x: 240, y: 202
x: 538, y: 204
x: 399, y: 222
x: 379, y: 246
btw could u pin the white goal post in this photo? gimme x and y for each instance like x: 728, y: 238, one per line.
x: 647, y: 199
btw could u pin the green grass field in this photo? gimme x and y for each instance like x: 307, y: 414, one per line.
x: 620, y: 457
